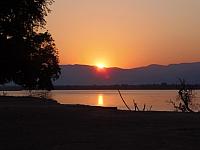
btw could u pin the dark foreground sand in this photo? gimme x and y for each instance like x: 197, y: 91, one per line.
x: 31, y: 125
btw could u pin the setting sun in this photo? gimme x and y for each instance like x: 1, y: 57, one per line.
x: 101, y: 66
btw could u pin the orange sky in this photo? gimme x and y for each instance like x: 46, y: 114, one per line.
x: 126, y: 33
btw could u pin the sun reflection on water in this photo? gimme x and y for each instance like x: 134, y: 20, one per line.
x: 100, y: 100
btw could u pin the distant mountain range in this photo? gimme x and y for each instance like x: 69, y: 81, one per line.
x: 152, y: 74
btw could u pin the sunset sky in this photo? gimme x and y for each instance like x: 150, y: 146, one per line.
x: 126, y: 33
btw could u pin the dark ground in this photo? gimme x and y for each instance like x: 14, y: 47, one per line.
x: 50, y: 126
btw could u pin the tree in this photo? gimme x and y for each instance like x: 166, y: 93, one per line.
x: 28, y: 58
x: 185, y: 98
x: 41, y: 65
x: 185, y: 95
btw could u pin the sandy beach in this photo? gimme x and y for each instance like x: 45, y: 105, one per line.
x: 35, y: 124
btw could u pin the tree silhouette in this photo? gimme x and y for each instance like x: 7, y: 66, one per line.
x: 41, y: 66
x: 185, y: 95
x: 184, y: 99
x: 28, y: 58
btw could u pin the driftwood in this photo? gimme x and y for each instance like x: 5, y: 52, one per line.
x: 136, y: 108
x: 124, y: 100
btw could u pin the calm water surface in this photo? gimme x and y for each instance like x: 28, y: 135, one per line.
x: 158, y: 99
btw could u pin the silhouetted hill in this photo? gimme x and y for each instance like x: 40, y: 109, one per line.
x: 152, y: 74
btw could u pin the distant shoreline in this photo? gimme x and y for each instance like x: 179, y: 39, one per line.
x: 126, y: 87
x: 110, y: 87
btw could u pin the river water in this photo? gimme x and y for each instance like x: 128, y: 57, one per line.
x: 157, y: 100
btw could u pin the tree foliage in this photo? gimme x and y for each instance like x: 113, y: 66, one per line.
x: 28, y: 58
x: 185, y: 101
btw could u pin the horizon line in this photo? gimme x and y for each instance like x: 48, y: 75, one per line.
x: 164, y: 65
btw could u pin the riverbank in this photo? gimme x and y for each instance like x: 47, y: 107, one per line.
x: 35, y: 124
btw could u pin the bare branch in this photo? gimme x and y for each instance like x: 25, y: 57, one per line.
x: 124, y: 100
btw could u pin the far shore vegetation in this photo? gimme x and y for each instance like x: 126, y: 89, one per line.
x: 162, y: 86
